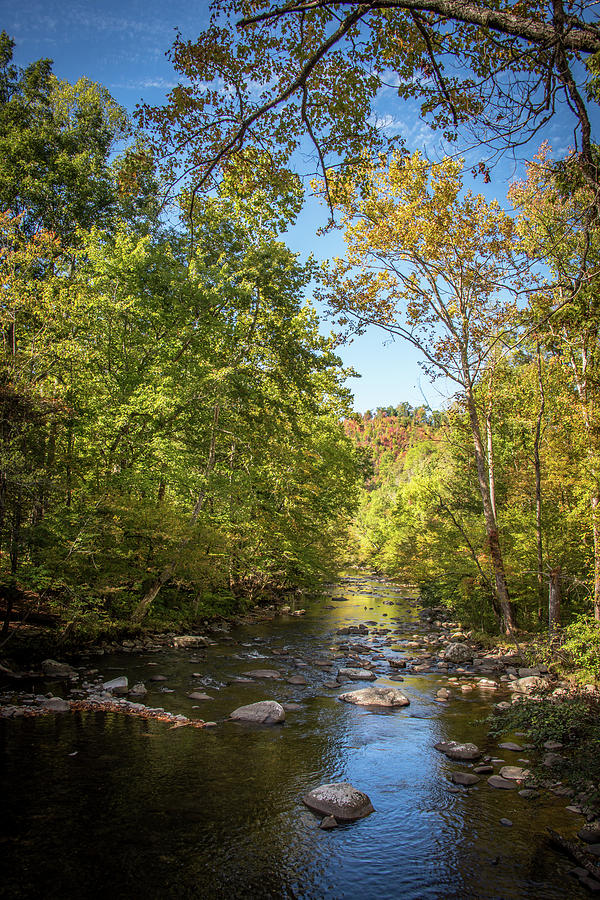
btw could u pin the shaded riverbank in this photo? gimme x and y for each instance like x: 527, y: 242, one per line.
x: 98, y: 799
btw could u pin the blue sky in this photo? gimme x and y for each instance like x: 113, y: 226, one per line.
x: 123, y: 45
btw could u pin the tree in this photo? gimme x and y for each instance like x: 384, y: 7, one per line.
x: 431, y: 266
x: 554, y: 226
x: 55, y: 143
x: 277, y: 76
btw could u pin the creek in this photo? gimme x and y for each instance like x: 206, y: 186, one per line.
x: 98, y: 804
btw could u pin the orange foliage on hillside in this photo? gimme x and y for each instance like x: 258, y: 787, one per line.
x: 389, y: 432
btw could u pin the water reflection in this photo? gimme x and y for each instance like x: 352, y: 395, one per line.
x: 144, y: 811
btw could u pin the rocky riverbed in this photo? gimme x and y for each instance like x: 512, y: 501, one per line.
x: 364, y: 687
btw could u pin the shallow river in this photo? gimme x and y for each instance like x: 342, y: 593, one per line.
x: 107, y: 805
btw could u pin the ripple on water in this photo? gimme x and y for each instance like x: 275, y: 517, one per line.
x: 144, y: 811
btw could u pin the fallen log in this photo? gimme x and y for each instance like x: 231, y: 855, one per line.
x: 585, y: 860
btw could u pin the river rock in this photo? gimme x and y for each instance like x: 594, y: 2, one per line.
x: 328, y: 823
x: 376, y: 696
x: 138, y: 690
x: 464, y: 778
x: 483, y: 770
x: 530, y: 685
x: 55, y: 669
x: 497, y: 781
x: 443, y: 694
x: 199, y: 695
x: 190, y: 640
x: 552, y: 745
x: 341, y: 800
x: 297, y: 679
x: 590, y: 833
x: 56, y: 704
x: 514, y: 773
x: 116, y: 685
x: 456, y: 750
x: 357, y: 674
x: 552, y: 759
x: 158, y: 678
x: 264, y: 712
x: 509, y: 745
x: 263, y: 673
x: 458, y: 653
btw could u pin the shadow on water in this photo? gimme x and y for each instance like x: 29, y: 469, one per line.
x: 97, y: 805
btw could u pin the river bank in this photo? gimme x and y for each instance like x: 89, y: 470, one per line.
x: 368, y: 631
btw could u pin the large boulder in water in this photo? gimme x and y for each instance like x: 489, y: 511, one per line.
x: 458, y: 653
x: 341, y: 800
x: 376, y: 696
x: 265, y: 712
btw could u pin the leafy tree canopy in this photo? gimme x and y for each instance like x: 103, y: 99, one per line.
x: 278, y: 74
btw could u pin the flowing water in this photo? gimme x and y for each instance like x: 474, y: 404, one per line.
x: 99, y: 804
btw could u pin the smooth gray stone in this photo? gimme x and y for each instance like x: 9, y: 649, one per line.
x: 496, y: 781
x: 341, y: 800
x: 357, y: 674
x: 456, y: 750
x: 264, y: 712
x: 56, y: 704
x: 376, y: 696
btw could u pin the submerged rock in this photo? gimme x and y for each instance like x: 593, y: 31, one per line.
x: 341, y: 800
x: 328, y: 823
x: 465, y: 778
x: 264, y: 712
x: 263, y: 673
x: 507, y: 784
x: 376, y: 696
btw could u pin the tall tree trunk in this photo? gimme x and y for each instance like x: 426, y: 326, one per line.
x: 554, y: 598
x: 595, y: 504
x: 15, y: 534
x: 490, y: 461
x: 538, y: 488
x: 491, y: 526
x: 10, y: 595
x: 167, y: 573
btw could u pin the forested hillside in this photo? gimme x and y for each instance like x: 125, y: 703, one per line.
x: 420, y: 515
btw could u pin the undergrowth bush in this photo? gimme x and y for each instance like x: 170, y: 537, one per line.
x: 567, y: 718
